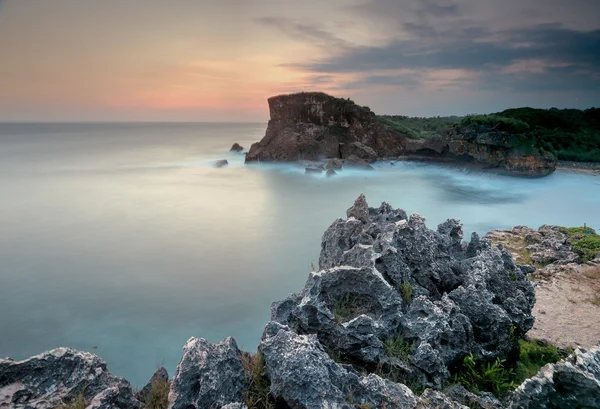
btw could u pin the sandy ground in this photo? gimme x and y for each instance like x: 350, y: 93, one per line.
x: 564, y: 311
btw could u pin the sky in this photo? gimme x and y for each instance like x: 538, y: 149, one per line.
x: 219, y: 60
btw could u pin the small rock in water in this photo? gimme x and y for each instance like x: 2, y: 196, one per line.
x: 330, y: 172
x: 221, y: 163
x: 236, y: 147
x: 313, y: 170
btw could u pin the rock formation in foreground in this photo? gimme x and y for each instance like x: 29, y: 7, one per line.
x: 317, y: 126
x: 394, y: 304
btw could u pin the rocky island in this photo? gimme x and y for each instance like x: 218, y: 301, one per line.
x: 395, y: 316
x: 315, y: 126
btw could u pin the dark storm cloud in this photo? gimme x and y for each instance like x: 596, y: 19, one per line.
x: 534, y: 46
x: 544, y: 42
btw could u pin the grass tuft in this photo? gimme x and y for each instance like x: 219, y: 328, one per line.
x: 407, y: 292
x: 397, y: 347
x: 533, y: 355
x: 494, y: 376
x: 258, y: 395
x: 477, y: 375
x: 158, y: 398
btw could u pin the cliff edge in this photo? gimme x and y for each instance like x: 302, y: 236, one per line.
x: 316, y: 126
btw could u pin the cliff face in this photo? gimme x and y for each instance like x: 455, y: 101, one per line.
x: 486, y: 146
x: 315, y: 126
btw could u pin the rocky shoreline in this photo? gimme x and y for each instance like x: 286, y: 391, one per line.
x: 315, y: 126
x: 396, y: 316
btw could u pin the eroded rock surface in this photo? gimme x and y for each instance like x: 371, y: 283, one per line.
x: 570, y: 383
x: 59, y: 376
x: 208, y: 375
x: 385, y: 276
x: 314, y: 126
x: 305, y: 377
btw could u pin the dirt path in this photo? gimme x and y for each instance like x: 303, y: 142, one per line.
x: 567, y: 310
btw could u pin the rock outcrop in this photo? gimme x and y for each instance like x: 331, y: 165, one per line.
x: 546, y: 251
x: 486, y: 146
x: 570, y: 383
x: 304, y: 376
x: 388, y: 278
x: 60, y: 376
x: 208, y: 375
x: 314, y: 126
x: 236, y: 147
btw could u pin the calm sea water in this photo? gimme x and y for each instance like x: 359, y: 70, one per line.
x: 125, y: 238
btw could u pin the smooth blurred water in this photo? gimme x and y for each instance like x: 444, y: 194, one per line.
x: 124, y: 237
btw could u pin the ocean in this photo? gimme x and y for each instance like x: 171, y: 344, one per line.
x: 124, y: 240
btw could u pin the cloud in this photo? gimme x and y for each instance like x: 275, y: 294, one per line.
x: 307, y: 33
x: 564, y: 55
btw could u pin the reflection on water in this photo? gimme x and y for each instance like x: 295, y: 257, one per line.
x: 125, y: 237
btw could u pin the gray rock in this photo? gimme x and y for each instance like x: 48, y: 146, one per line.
x: 58, y: 376
x: 208, y: 375
x: 160, y: 375
x: 330, y: 173
x: 236, y: 405
x: 220, y: 163
x: 483, y: 400
x: 571, y: 383
x: 431, y: 399
x: 236, y: 147
x: 305, y: 377
x: 383, y: 277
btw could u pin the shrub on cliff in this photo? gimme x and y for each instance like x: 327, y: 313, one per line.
x: 496, y: 122
x: 584, y: 240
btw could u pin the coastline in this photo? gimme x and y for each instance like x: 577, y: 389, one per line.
x: 588, y: 168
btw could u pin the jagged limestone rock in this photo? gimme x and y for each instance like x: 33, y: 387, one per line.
x: 59, y: 376
x: 208, y: 375
x: 385, y: 276
x: 573, y: 383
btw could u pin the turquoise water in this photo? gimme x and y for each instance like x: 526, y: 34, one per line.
x: 124, y: 237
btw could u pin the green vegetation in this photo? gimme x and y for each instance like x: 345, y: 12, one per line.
x: 498, y: 377
x: 158, y: 398
x: 584, y: 240
x: 533, y: 355
x: 419, y: 128
x: 497, y: 122
x: 569, y: 134
x: 77, y: 403
x: 407, y: 292
x: 397, y: 347
x: 257, y: 396
x: 477, y: 375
